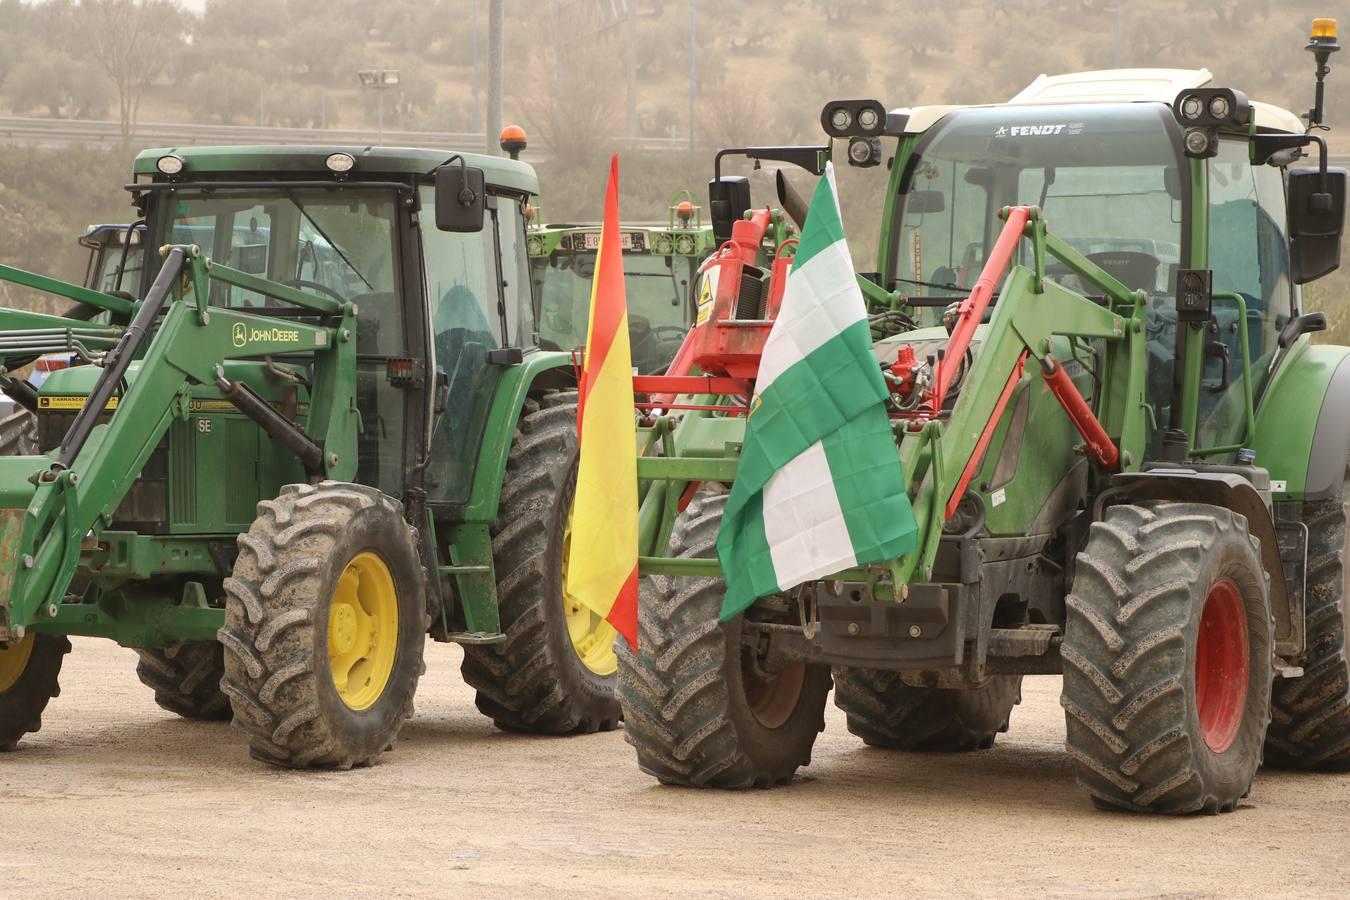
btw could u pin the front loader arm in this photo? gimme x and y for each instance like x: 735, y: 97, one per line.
x: 51, y: 504
x: 943, y: 446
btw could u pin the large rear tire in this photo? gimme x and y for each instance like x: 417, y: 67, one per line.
x: 325, y: 626
x: 885, y: 712
x: 186, y: 679
x: 1310, y: 716
x: 1168, y: 659
x: 555, y: 672
x: 29, y: 674
x: 700, y: 707
x: 18, y: 434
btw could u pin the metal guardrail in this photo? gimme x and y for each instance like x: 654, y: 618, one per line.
x: 38, y: 130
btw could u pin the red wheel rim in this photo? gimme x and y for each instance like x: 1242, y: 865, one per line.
x: 1221, y: 665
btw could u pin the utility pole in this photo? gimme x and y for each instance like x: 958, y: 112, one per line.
x: 494, y: 110
x: 477, y: 95
x: 632, y: 68
x: 693, y: 66
x: 1117, y: 34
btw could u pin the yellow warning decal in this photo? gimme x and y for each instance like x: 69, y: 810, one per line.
x: 65, y: 403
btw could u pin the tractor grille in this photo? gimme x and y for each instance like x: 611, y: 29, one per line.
x: 145, y: 507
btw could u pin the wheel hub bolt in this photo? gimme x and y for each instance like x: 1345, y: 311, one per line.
x: 915, y: 631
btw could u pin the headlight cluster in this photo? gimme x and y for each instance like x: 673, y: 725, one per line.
x: 663, y: 245
x: 535, y: 245
x: 853, y: 118
x: 1201, y: 111
x: 685, y: 245
x: 1212, y: 108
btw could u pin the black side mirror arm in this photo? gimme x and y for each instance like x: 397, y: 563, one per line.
x: 1307, y: 323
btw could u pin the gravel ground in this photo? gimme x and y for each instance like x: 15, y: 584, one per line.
x: 116, y: 797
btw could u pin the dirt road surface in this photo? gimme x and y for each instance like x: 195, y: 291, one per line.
x: 115, y: 797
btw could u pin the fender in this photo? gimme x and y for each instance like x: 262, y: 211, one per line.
x: 1231, y: 491
x: 1303, y: 424
x: 539, y: 369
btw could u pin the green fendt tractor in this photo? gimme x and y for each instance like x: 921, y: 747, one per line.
x: 660, y: 267
x: 316, y: 429
x: 1127, y: 460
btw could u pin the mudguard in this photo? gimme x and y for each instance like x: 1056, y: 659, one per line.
x: 1303, y: 423
x: 1231, y: 491
x: 539, y: 369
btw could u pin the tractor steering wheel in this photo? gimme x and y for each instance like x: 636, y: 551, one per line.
x: 301, y: 284
x: 679, y: 331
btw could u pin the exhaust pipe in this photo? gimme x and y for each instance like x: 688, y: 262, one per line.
x: 793, y: 203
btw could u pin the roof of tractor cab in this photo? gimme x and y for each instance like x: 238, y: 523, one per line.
x: 371, y: 163
x: 1109, y: 86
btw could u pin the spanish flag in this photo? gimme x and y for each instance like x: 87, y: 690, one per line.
x: 602, y: 562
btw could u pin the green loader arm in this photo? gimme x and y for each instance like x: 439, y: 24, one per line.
x: 51, y: 505
x: 939, y: 451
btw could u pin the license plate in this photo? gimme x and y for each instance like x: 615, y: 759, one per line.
x: 629, y: 241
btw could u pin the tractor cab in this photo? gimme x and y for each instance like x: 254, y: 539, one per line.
x: 660, y: 263
x: 435, y: 309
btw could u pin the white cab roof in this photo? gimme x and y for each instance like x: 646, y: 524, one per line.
x: 1111, y: 86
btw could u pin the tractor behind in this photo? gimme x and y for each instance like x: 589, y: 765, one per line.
x: 661, y: 265
x: 1127, y: 460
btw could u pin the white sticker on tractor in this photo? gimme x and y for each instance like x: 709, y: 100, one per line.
x: 1278, y: 487
x: 997, y: 497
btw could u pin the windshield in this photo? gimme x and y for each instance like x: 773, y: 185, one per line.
x: 1107, y: 179
x: 338, y: 244
x: 658, y: 293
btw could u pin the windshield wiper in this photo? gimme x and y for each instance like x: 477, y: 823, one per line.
x: 290, y: 195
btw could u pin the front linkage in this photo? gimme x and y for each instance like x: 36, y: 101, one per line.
x: 55, y: 508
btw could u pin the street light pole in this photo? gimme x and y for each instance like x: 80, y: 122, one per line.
x: 494, y: 110
x: 693, y: 65
x: 379, y: 81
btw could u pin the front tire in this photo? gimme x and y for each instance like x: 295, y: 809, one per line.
x: 325, y: 626
x: 885, y: 712
x: 699, y: 707
x: 29, y: 678
x: 1168, y: 659
x: 555, y: 673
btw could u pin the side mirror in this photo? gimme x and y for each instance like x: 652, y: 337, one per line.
x: 460, y: 198
x: 921, y: 202
x: 728, y: 199
x: 1316, y: 221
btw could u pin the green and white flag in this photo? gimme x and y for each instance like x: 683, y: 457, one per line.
x: 819, y: 488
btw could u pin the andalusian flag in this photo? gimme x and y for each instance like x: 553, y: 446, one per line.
x: 602, y: 563
x: 819, y: 488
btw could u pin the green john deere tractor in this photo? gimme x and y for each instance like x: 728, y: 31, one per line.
x: 1127, y: 459
x: 660, y: 266
x: 315, y: 430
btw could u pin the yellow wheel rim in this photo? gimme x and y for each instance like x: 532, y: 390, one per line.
x: 592, y: 637
x: 363, y: 631
x: 13, y: 660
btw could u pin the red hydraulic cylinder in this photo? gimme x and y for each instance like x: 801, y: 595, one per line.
x: 1099, y: 443
x: 972, y: 308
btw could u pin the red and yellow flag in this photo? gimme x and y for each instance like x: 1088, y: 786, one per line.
x: 602, y: 562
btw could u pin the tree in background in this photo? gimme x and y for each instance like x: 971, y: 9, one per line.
x: 133, y: 41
